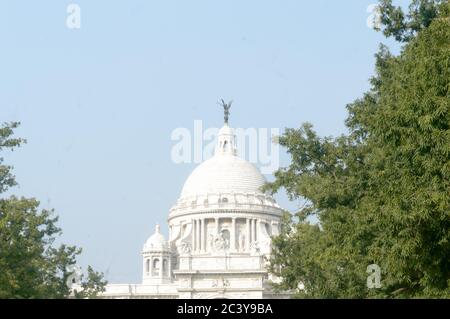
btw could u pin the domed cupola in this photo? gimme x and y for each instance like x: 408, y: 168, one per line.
x: 225, y: 181
x: 222, y: 208
x: 156, y: 242
x: 157, y: 260
x: 226, y: 141
x: 225, y: 172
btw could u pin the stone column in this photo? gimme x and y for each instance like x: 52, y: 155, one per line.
x: 161, y: 267
x: 169, y: 267
x: 247, y: 236
x: 205, y: 232
x: 193, y: 235
x: 198, y: 235
x: 217, y: 225
x: 233, y: 235
x: 258, y: 228
x: 202, y: 235
x: 143, y: 266
x: 253, y: 230
x: 150, y: 269
x: 144, y: 272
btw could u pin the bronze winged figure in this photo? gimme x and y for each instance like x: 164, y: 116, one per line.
x: 226, y: 109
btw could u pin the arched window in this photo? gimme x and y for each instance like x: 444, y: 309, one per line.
x: 268, y: 230
x: 156, y: 267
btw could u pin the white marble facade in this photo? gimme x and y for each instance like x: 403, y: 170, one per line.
x: 219, y: 235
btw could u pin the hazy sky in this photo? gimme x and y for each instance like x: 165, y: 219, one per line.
x: 98, y: 104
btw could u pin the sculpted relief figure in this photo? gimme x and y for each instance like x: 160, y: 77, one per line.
x: 218, y: 242
x: 220, y: 283
x: 241, y: 241
x: 254, y: 248
x: 184, y: 248
x: 213, y: 242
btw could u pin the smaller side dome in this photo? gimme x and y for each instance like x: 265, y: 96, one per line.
x: 156, y: 242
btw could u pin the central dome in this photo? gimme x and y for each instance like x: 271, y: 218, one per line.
x: 223, y: 173
x: 224, y: 182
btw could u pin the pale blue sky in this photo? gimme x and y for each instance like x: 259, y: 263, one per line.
x: 98, y: 104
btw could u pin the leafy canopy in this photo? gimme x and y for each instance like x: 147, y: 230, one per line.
x: 30, y: 264
x: 381, y: 192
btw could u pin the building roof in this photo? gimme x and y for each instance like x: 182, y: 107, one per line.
x: 225, y: 172
x: 156, y: 242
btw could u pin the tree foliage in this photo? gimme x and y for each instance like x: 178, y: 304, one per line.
x: 30, y: 264
x: 381, y: 192
x: 405, y: 26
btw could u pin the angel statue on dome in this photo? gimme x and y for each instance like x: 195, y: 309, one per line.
x: 226, y: 109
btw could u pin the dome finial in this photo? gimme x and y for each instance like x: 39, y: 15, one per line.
x: 226, y: 109
x: 157, y: 229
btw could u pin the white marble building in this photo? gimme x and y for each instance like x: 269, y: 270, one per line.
x: 220, y: 232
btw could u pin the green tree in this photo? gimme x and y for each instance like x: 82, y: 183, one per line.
x: 30, y: 265
x: 405, y: 26
x: 90, y: 287
x: 382, y: 192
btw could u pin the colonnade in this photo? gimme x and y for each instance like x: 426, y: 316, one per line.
x: 199, y: 233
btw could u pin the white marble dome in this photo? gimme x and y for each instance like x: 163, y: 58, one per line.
x: 156, y: 242
x: 223, y: 173
x: 224, y: 182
